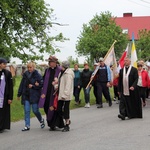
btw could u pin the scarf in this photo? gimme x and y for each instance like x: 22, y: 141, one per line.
x: 2, y: 89
x: 45, y: 85
x: 44, y: 90
x: 126, y: 81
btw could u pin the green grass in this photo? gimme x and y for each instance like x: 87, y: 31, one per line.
x: 17, y: 111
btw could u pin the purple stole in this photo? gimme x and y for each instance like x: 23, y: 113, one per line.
x: 2, y: 90
x: 44, y: 91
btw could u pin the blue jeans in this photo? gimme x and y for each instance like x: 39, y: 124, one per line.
x: 35, y: 109
x: 87, y: 94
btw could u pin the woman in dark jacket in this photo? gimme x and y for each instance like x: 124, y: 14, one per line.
x: 85, y: 79
x: 30, y: 90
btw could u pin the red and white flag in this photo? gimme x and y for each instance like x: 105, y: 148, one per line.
x: 121, y: 60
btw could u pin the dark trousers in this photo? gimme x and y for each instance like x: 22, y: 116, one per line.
x: 147, y: 92
x: 123, y: 104
x: 116, y: 95
x: 103, y: 89
x: 76, y: 93
x: 63, y: 108
x: 95, y: 93
x: 142, y: 91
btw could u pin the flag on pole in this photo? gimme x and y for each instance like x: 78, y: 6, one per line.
x: 110, y: 59
x: 121, y: 60
x: 133, y: 53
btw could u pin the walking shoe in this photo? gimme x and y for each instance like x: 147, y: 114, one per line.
x: 42, y: 124
x: 1, y: 130
x: 26, y: 129
x: 99, y: 106
x: 87, y: 105
x: 121, y: 117
x: 110, y: 104
x: 66, y: 128
x: 115, y: 99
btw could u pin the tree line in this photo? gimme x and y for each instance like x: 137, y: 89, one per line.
x: 26, y: 25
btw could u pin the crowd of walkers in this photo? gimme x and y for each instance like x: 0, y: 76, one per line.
x: 53, y: 92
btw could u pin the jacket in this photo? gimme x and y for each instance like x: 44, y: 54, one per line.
x: 145, y: 78
x: 30, y: 94
x: 77, y: 78
x: 85, y: 77
x: 66, y: 84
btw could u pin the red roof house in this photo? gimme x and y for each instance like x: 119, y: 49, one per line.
x: 130, y: 24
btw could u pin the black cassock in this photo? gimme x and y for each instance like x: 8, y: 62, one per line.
x: 130, y: 106
x: 8, y: 95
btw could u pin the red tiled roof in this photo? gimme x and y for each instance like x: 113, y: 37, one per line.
x: 133, y: 24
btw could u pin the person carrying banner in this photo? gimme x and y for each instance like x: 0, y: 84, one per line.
x: 103, y: 78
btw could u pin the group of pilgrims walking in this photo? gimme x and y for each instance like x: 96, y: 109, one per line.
x: 54, y: 90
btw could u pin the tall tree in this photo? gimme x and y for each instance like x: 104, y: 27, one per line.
x: 143, y: 44
x: 25, y: 29
x: 98, y: 35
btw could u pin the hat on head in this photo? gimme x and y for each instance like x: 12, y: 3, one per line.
x: 65, y: 64
x: 95, y: 64
x: 85, y: 63
x: 52, y: 59
x: 101, y: 59
x: 2, y: 60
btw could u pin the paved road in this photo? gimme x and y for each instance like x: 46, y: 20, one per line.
x: 91, y: 129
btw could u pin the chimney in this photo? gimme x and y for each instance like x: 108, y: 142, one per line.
x: 127, y: 14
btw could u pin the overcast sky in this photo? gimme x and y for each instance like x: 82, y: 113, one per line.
x: 76, y: 12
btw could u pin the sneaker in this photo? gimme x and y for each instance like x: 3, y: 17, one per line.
x: 42, y: 124
x: 87, y: 105
x: 115, y: 99
x: 26, y: 129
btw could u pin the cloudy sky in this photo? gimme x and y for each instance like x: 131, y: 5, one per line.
x: 77, y: 12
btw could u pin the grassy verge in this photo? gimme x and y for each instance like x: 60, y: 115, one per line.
x: 17, y: 112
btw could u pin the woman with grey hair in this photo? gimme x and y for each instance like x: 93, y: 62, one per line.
x: 65, y: 93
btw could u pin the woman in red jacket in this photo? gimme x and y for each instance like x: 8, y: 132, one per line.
x: 143, y: 82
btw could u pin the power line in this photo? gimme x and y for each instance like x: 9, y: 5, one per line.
x: 138, y: 3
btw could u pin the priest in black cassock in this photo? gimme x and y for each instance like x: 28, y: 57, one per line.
x: 130, y: 102
x: 6, y: 95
